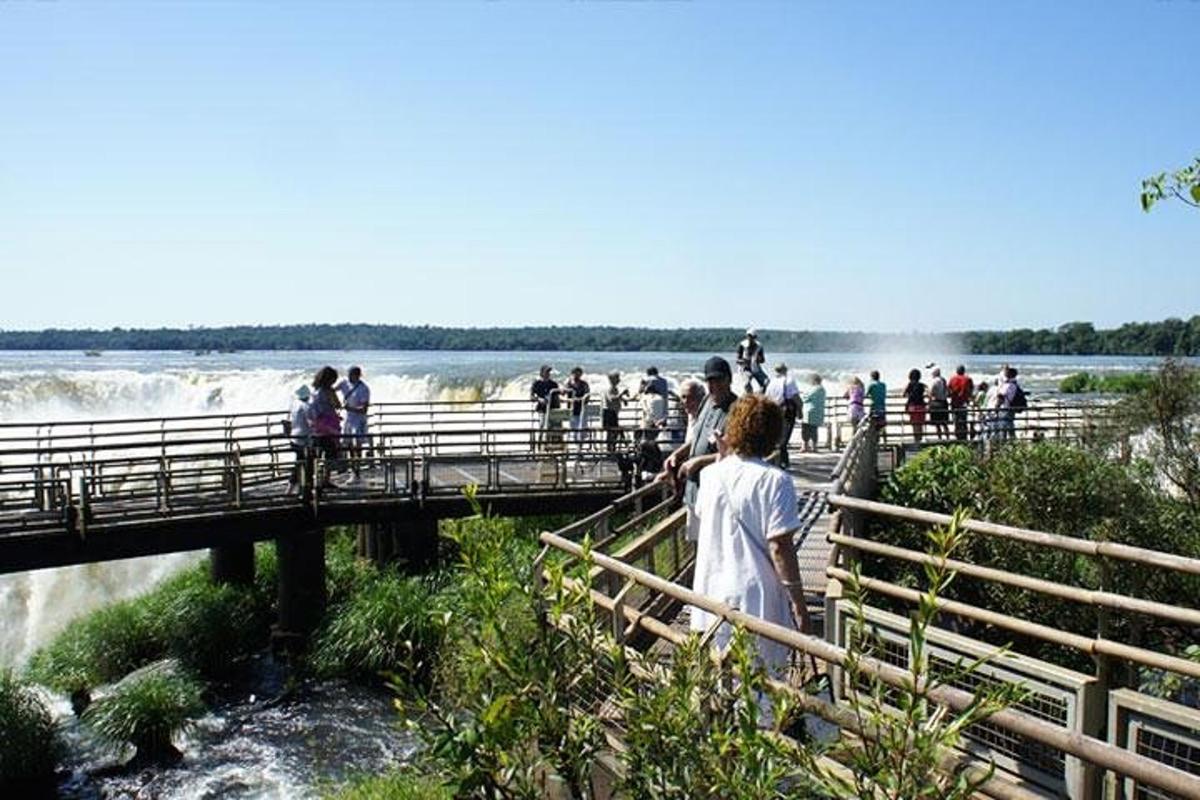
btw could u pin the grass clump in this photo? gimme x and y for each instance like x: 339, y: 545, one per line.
x: 388, y: 625
x: 399, y: 785
x: 147, y: 709
x: 210, y: 628
x: 207, y: 627
x: 99, y: 648
x: 29, y: 743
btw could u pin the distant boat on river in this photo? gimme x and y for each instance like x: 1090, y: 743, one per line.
x: 92, y: 353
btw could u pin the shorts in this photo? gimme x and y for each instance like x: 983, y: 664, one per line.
x: 355, y: 426
x: 916, y: 414
x: 939, y: 413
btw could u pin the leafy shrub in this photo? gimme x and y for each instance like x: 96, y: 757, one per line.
x: 1058, y: 488
x: 147, y: 709
x: 938, y: 479
x: 399, y: 785
x: 31, y: 746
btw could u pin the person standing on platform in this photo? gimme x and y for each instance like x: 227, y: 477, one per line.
x: 692, y: 393
x: 939, y: 404
x: 962, y: 392
x: 356, y: 399
x: 684, y: 465
x: 877, y: 394
x: 614, y: 400
x: 915, y: 403
x: 750, y: 360
x: 544, y: 393
x: 323, y: 418
x: 814, y: 412
x: 854, y: 395
x: 783, y: 392
x: 748, y: 516
x: 577, y: 391
x: 300, y: 436
x: 653, y: 400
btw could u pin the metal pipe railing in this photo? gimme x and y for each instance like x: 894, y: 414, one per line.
x: 1092, y: 750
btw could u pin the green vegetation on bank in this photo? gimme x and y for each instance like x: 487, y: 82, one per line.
x: 1165, y: 338
x: 206, y: 627
x: 1085, y: 382
x: 1062, y: 489
x: 398, y: 785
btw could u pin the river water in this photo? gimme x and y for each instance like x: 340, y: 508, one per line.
x: 247, y: 749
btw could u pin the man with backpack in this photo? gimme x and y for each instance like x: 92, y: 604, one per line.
x: 1012, y: 401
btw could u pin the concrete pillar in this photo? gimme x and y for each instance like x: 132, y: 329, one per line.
x: 416, y: 542
x: 232, y: 564
x: 301, y: 586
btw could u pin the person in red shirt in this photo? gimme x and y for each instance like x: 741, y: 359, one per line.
x: 962, y: 389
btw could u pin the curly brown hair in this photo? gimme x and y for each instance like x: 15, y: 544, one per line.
x: 325, y: 378
x: 754, y: 426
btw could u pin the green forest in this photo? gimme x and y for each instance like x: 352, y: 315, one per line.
x: 1170, y: 337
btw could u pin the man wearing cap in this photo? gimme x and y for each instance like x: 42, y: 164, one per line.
x: 782, y: 390
x: 300, y: 434
x: 750, y: 360
x: 685, y: 464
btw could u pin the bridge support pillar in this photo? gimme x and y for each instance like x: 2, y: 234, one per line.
x: 413, y: 542
x: 302, y: 598
x: 232, y: 564
x: 417, y: 542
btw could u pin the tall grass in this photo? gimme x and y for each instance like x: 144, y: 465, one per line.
x: 388, y: 625
x: 29, y: 743
x: 207, y: 627
x: 147, y: 709
x: 99, y: 648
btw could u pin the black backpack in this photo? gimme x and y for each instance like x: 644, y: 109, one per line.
x: 1019, y: 401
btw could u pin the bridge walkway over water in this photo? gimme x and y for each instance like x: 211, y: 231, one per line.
x: 74, y: 491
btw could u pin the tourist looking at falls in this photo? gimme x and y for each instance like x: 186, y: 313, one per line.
x: 750, y: 359
x: 684, y: 465
x: 748, y: 513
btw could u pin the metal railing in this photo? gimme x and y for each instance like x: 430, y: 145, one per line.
x: 76, y: 474
x: 1053, y: 741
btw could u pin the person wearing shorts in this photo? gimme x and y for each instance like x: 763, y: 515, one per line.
x: 356, y: 397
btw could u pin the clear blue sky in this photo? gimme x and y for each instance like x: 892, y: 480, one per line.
x: 875, y: 166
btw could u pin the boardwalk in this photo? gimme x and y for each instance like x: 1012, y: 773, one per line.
x: 75, y: 491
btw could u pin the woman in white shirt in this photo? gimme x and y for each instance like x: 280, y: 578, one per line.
x: 748, y: 513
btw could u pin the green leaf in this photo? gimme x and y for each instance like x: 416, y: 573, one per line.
x: 1195, y: 192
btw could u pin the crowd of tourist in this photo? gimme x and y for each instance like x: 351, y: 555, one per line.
x: 742, y: 511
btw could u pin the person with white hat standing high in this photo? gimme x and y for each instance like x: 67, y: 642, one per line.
x: 750, y: 360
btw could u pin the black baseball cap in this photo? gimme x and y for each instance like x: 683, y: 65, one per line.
x: 717, y: 367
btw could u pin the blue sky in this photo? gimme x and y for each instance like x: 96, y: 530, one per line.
x: 868, y: 166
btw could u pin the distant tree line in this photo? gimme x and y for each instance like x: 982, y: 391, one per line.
x: 1169, y: 337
